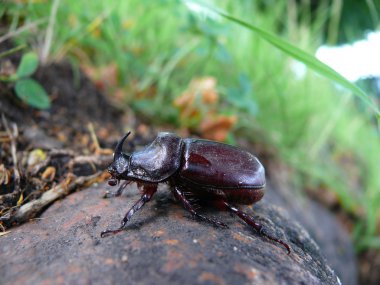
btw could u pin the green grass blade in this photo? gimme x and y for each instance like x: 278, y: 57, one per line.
x: 295, y: 52
x: 12, y: 50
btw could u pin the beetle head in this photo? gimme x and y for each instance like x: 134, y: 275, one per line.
x: 120, y: 165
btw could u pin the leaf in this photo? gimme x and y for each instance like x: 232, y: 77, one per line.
x: 217, y: 127
x: 32, y: 93
x: 197, y: 101
x: 241, y: 96
x: 28, y: 65
x: 20, y: 200
x: 35, y: 156
x: 5, y: 175
x: 293, y: 51
x: 49, y: 173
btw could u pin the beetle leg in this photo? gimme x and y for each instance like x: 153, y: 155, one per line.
x: 188, y: 206
x: 148, y: 192
x: 250, y: 221
x: 119, y: 191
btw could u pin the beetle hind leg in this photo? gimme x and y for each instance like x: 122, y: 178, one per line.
x: 250, y: 221
x: 180, y: 195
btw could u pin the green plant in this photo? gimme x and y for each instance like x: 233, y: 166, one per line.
x: 327, y: 139
x: 309, y: 60
x: 26, y: 88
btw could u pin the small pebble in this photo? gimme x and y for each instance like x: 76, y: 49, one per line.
x: 124, y: 258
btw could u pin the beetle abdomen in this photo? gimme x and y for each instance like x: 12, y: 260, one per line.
x: 221, y: 166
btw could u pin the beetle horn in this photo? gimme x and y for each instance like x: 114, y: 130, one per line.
x: 119, y: 147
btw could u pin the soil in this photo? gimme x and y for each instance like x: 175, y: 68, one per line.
x: 75, y: 137
x: 66, y: 131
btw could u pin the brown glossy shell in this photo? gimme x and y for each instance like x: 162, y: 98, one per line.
x: 222, y: 170
x: 158, y: 161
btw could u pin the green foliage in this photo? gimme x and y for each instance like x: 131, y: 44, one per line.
x: 26, y: 88
x: 32, y: 93
x: 241, y: 96
x: 327, y: 137
x: 355, y: 25
x: 28, y: 65
x: 309, y: 60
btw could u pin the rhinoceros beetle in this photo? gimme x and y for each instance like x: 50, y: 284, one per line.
x: 212, y: 172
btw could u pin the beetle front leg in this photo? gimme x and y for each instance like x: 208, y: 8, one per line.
x: 148, y: 192
x: 187, y: 204
x: 250, y: 221
x: 119, y: 191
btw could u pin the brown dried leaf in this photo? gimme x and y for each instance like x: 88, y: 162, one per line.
x: 61, y: 136
x: 4, y: 137
x: 20, y: 200
x: 217, y: 128
x: 148, y: 92
x: 119, y: 94
x: 7, y: 68
x: 49, y: 174
x: 104, y: 77
x: 186, y: 99
x: 143, y: 129
x: 83, y: 139
x: 5, y: 175
x: 200, y: 91
x: 207, y: 87
x: 103, y: 151
x: 103, y: 133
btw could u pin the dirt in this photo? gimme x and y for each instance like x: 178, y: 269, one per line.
x: 74, y: 138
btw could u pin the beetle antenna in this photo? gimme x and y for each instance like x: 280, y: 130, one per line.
x: 119, y: 146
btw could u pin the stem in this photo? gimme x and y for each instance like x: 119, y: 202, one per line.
x: 49, y: 32
x: 12, y: 50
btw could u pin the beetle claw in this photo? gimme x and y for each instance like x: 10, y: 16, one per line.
x: 119, y: 191
x: 218, y: 223
x: 109, y: 232
x: 265, y: 233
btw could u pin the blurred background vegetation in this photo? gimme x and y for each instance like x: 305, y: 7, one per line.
x: 178, y: 63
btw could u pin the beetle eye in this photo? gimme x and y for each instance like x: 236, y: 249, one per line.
x: 111, y: 169
x: 120, y: 165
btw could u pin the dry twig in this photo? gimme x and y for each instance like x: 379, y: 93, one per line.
x: 33, y: 208
x: 22, y: 29
x: 13, y: 135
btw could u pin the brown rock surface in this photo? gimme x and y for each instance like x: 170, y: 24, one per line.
x: 161, y: 245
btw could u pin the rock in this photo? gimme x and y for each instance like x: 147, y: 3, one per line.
x: 161, y: 245
x: 334, y: 242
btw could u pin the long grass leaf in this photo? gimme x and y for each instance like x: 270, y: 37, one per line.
x: 293, y: 51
